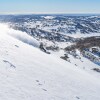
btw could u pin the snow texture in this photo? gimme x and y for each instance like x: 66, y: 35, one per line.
x: 39, y: 76
x: 22, y: 36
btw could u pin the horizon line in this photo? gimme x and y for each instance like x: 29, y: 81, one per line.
x: 30, y: 13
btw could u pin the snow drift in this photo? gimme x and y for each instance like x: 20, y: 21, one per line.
x: 22, y: 36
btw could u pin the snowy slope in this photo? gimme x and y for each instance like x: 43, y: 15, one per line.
x: 26, y: 73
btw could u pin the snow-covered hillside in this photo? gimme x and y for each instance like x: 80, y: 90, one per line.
x: 27, y: 73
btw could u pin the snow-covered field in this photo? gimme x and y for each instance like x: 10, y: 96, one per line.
x: 26, y: 73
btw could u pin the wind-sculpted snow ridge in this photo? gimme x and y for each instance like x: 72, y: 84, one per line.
x: 22, y: 36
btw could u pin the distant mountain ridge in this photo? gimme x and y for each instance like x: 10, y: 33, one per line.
x: 63, y: 23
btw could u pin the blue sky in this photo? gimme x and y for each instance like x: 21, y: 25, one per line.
x: 49, y: 6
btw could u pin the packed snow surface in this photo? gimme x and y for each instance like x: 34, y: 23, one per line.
x: 26, y: 73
